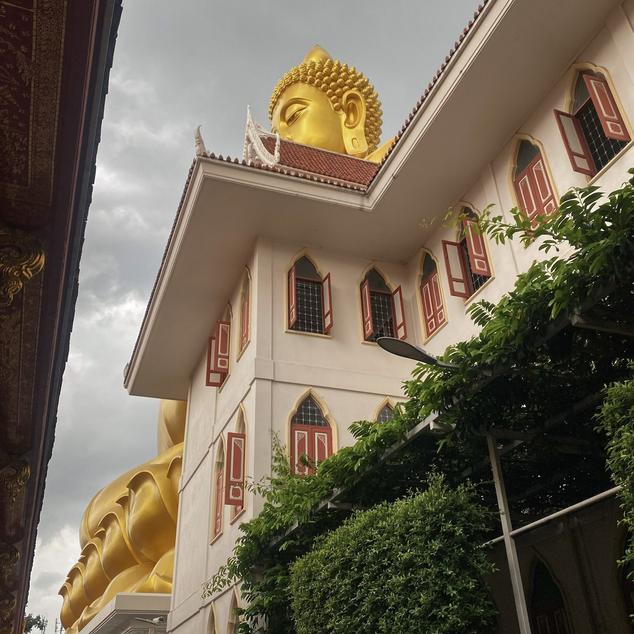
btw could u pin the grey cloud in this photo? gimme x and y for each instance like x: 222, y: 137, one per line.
x: 177, y: 65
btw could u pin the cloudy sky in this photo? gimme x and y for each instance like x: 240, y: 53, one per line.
x: 177, y: 65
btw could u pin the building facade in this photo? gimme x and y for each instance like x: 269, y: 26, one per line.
x: 282, y: 269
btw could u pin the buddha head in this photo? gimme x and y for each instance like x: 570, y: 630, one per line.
x: 327, y: 104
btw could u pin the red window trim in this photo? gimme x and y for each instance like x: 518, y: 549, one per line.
x: 311, y: 432
x: 451, y: 274
x: 218, y: 508
x: 612, y: 122
x: 542, y: 205
x: 438, y: 316
x: 583, y: 153
x: 235, y: 469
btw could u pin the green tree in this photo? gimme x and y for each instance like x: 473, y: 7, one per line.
x: 416, y: 565
x: 35, y: 622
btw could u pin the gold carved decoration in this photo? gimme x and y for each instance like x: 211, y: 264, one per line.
x: 14, y: 478
x: 9, y: 558
x: 21, y: 258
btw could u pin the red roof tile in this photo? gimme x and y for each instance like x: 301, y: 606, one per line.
x: 317, y: 161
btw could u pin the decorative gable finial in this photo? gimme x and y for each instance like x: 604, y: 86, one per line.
x: 201, y: 150
x: 254, y: 149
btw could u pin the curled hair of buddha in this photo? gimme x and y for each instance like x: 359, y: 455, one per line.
x: 334, y: 79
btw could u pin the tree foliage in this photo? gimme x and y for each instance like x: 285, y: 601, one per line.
x: 416, y: 565
x: 616, y: 418
x: 527, y: 367
x: 35, y: 621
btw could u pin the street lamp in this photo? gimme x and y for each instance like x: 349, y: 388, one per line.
x: 410, y: 351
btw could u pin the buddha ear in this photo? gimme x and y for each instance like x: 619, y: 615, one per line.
x: 353, y: 107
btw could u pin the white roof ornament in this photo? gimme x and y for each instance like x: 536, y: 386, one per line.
x: 254, y: 149
x: 201, y: 150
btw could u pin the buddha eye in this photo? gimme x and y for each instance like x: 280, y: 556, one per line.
x: 293, y: 111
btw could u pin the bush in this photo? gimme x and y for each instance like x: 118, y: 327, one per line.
x: 413, y: 566
x: 616, y: 418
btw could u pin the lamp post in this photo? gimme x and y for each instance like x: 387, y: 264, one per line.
x: 410, y: 351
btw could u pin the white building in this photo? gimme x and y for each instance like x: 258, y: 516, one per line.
x: 280, y: 264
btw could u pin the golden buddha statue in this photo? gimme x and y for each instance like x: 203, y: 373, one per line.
x: 128, y: 531
x: 329, y: 105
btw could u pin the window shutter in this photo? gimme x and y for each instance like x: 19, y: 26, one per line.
x: 214, y: 378
x: 326, y: 303
x: 234, y: 491
x: 223, y: 338
x: 292, y: 298
x: 534, y: 192
x: 244, y: 318
x: 477, y: 251
x: 322, y: 446
x: 544, y: 189
x: 456, y: 273
x: 433, y: 309
x: 218, y: 503
x: 399, y: 314
x: 575, y: 142
x: 609, y: 115
x: 299, y: 448
x: 366, y: 310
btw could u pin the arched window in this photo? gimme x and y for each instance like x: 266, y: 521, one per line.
x: 382, y: 309
x: 234, y: 619
x: 218, y: 501
x: 236, y: 458
x: 594, y: 132
x: 309, y: 299
x: 534, y: 192
x: 548, y: 611
x: 385, y: 414
x: 245, y: 308
x: 311, y: 437
x: 218, y: 351
x: 467, y: 261
x: 433, y: 308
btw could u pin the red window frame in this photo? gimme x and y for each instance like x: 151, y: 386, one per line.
x: 610, y: 117
x: 434, y: 314
x: 218, y: 502
x: 398, y: 311
x: 313, y: 441
x: 244, y: 313
x: 326, y: 300
x: 534, y: 191
x: 218, y: 354
x: 235, y: 469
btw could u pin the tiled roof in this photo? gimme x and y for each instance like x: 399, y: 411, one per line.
x: 317, y: 161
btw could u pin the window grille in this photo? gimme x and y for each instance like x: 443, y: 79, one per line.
x: 309, y: 413
x: 473, y: 279
x: 382, y: 315
x: 386, y: 414
x: 602, y: 149
x: 310, y: 316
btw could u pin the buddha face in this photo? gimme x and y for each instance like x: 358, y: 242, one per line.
x: 304, y: 114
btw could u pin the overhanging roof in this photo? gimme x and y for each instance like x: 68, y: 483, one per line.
x: 515, y: 53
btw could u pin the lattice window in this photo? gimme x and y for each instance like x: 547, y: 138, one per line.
x: 309, y: 413
x: 310, y: 316
x: 602, y: 149
x: 386, y: 414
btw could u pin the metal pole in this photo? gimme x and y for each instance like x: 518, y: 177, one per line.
x: 511, y: 553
